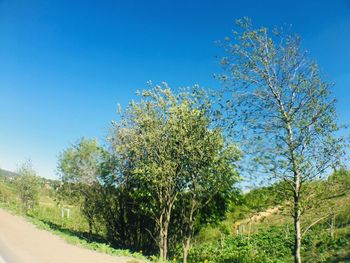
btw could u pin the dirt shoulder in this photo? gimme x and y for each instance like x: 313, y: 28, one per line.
x: 22, y: 242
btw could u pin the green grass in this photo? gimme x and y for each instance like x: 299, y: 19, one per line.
x: 271, y: 238
x: 73, y: 230
x: 73, y: 238
x: 267, y: 240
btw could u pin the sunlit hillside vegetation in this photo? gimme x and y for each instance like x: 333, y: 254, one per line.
x: 165, y: 185
x: 256, y: 228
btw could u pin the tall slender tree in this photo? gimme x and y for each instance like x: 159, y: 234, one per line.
x: 282, y: 110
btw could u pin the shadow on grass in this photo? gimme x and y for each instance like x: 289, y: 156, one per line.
x: 97, y: 241
x: 341, y: 258
x: 93, y: 238
x: 344, y: 254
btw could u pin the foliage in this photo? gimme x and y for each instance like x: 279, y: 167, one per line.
x: 166, y: 180
x: 340, y: 180
x: 47, y: 216
x: 265, y: 246
x: 79, y: 168
x: 283, y: 108
x: 327, y: 241
x: 170, y: 152
x: 261, y: 198
x: 273, y: 244
x: 28, y: 187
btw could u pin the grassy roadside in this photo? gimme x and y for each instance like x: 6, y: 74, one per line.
x: 70, y: 238
x: 47, y: 216
x: 75, y: 240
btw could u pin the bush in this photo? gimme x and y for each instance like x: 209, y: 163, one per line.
x: 266, y: 246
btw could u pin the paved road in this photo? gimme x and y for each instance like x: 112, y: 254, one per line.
x: 6, y: 253
x: 22, y: 242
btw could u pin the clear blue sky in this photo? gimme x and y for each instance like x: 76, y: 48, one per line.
x: 64, y: 65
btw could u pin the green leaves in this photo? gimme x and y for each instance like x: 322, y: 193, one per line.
x: 81, y: 162
x: 285, y: 113
x: 266, y: 246
x: 279, y: 99
x: 28, y: 187
x: 80, y: 168
x: 169, y: 144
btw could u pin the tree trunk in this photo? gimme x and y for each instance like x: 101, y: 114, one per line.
x: 163, y: 237
x: 90, y: 230
x: 185, y: 248
x: 161, y: 248
x: 332, y: 226
x: 188, y: 233
x: 297, y: 189
x: 297, y: 242
x: 165, y: 242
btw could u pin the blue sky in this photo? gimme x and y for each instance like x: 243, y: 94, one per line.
x: 65, y: 65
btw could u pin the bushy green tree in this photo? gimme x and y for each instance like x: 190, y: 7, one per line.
x: 207, y: 166
x: 79, y: 168
x: 28, y: 187
x: 168, y: 145
x: 125, y: 207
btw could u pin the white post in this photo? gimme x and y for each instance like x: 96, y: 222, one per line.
x: 62, y: 213
x: 68, y: 211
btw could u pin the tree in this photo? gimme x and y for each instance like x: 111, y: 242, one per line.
x: 79, y: 169
x: 283, y: 109
x: 124, y: 203
x: 28, y: 187
x: 166, y: 143
x: 207, y: 166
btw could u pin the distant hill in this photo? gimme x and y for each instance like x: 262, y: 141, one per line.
x: 6, y: 173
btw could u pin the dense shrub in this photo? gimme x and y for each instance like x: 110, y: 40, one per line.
x: 266, y: 246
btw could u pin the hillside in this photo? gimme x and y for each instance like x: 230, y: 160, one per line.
x: 6, y: 173
x: 258, y: 230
